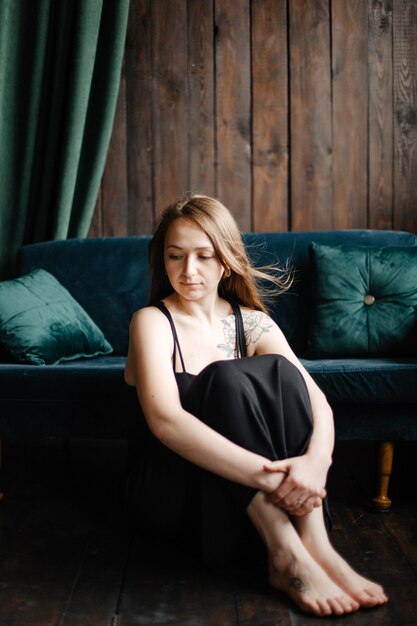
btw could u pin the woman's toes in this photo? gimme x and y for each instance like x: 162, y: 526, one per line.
x: 352, y: 605
x: 377, y: 596
x: 331, y: 606
x: 325, y: 609
x: 371, y: 597
x: 338, y: 607
x: 316, y: 607
x: 346, y: 605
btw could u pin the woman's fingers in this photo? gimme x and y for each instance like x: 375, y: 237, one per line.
x: 294, y: 498
x: 277, y: 466
x: 299, y: 490
x: 306, y: 507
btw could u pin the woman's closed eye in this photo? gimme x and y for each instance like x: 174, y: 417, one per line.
x: 179, y: 257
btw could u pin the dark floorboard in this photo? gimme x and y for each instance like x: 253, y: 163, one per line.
x: 68, y: 556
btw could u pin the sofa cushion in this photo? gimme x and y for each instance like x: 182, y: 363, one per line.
x: 344, y: 381
x: 99, y: 379
x: 292, y: 310
x: 109, y: 276
x: 90, y: 399
x: 86, y: 398
x: 371, y: 381
x: 41, y: 323
x: 365, y: 301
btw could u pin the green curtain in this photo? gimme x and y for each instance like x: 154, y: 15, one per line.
x: 60, y: 64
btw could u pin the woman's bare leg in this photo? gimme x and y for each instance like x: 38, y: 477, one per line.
x: 292, y: 568
x: 314, y: 536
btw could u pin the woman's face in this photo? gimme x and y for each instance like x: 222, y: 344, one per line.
x: 191, y: 263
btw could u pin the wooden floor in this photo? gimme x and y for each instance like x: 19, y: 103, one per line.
x: 68, y: 557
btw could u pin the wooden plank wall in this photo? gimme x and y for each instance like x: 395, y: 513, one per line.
x: 298, y: 115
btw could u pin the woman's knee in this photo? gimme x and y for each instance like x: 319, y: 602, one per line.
x: 289, y: 373
x: 224, y: 379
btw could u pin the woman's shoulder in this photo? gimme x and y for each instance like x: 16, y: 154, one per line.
x: 148, y: 315
x: 254, y: 316
x: 149, y: 329
x: 256, y: 325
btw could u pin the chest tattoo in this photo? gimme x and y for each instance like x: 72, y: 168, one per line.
x: 229, y: 331
x: 255, y: 324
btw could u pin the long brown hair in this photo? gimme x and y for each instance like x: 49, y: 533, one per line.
x: 241, y: 282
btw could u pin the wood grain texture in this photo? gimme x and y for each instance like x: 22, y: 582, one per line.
x: 311, y: 132
x: 380, y: 115
x: 139, y: 119
x: 69, y: 557
x: 350, y: 113
x: 170, y: 100
x: 269, y: 71
x: 201, y: 97
x: 405, y: 114
x: 233, y: 106
x: 297, y: 115
x: 174, y: 590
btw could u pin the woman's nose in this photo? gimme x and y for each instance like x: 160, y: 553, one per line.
x: 189, y: 267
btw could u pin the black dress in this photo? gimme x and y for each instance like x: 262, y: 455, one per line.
x: 262, y: 404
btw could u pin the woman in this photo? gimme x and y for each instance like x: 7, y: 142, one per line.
x: 259, y: 426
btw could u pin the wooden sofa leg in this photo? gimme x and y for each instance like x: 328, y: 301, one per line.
x: 385, y: 453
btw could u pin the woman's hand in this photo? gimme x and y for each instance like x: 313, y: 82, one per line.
x: 302, y: 488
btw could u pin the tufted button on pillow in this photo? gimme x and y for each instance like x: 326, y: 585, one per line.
x: 368, y: 299
x: 365, y: 301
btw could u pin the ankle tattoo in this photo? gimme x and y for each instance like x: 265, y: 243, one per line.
x: 297, y: 584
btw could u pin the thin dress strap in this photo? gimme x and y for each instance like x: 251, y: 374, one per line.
x: 240, y: 332
x: 161, y: 306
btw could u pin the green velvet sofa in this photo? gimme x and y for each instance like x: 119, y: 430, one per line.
x: 373, y: 392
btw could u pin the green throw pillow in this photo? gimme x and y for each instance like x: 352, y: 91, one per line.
x: 41, y: 323
x: 365, y: 301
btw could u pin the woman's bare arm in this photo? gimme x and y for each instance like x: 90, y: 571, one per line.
x: 307, y: 474
x: 149, y: 368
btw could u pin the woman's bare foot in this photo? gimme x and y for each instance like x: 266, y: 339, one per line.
x: 363, y: 590
x: 309, y: 586
x: 292, y: 569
